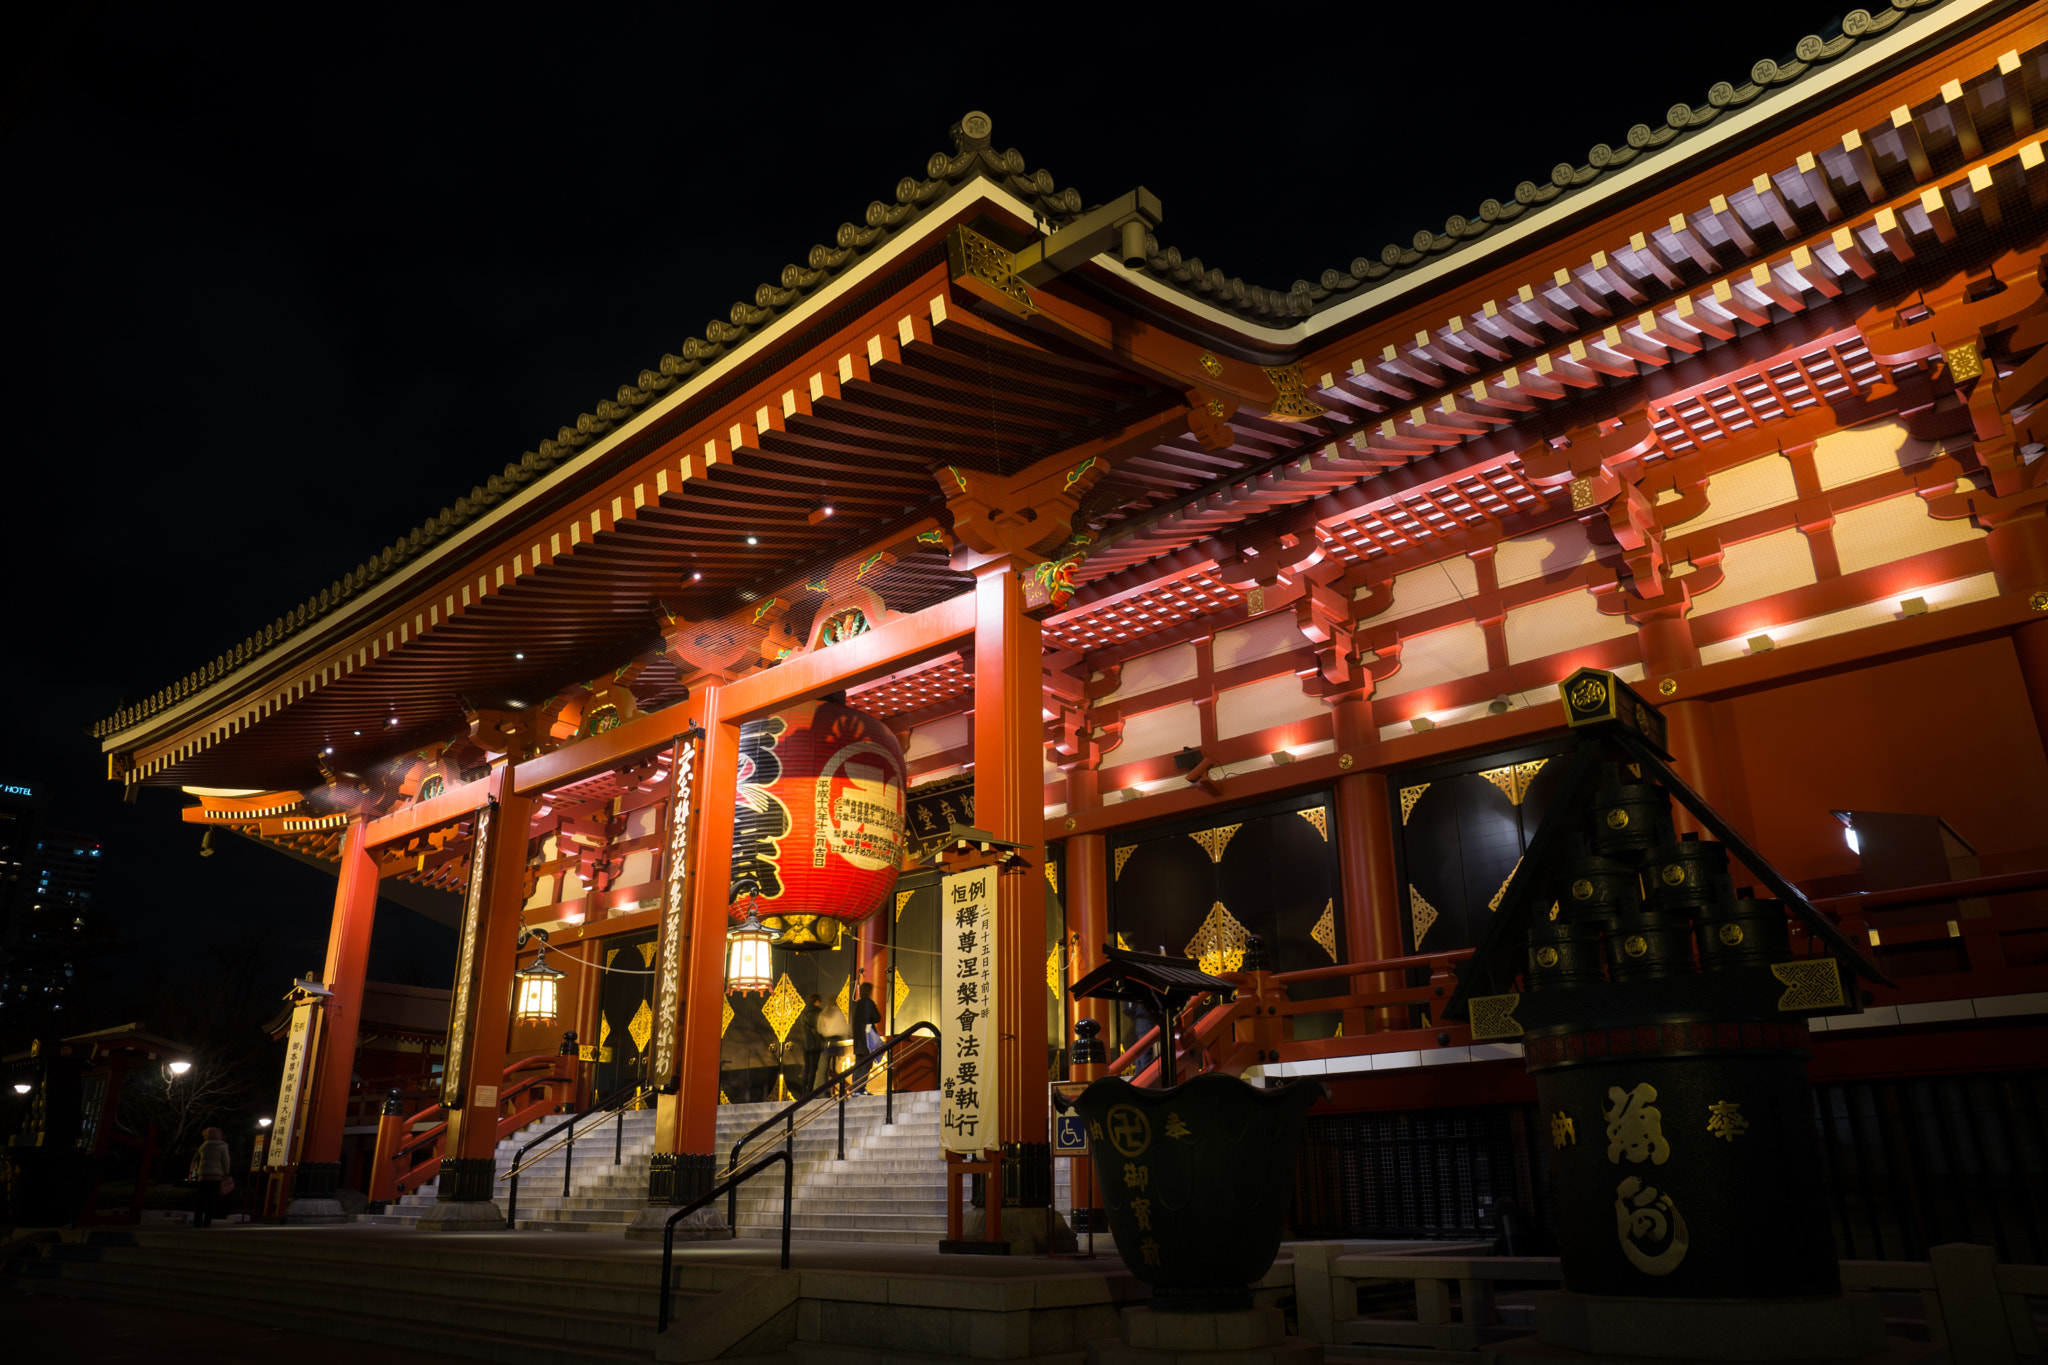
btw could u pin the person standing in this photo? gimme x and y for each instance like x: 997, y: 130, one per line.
x: 811, y: 1041
x: 211, y: 1178
x: 867, y: 1033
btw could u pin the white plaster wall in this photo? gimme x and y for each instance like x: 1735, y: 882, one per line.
x: 952, y: 732
x: 1549, y: 551
x: 1566, y: 621
x: 1758, y: 568
x: 1163, y: 668
x: 1261, y: 639
x: 1952, y: 594
x: 1845, y: 457
x: 1746, y: 488
x: 1152, y: 733
x: 1271, y: 701
x: 1896, y: 528
x: 1452, y: 578
x: 1441, y: 656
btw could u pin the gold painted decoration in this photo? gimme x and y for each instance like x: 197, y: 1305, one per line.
x: 1409, y: 796
x: 724, y: 1098
x: 1052, y: 973
x: 1501, y: 894
x: 1325, y: 932
x: 604, y: 1031
x: 469, y: 966
x: 1219, y: 944
x: 1421, y: 915
x: 1964, y: 363
x: 646, y: 953
x: 1255, y: 601
x: 1563, y: 1133
x: 1812, y: 984
x: 972, y: 254
x: 676, y: 883
x: 1582, y: 494
x: 845, y: 998
x: 1725, y: 1120
x: 1123, y: 855
x: 899, y: 992
x: 1123, y: 943
x: 1514, y: 779
x: 1493, y: 1016
x: 1214, y: 841
x: 641, y: 1026
x: 1211, y: 366
x: 725, y: 1019
x: 1290, y: 401
x: 1052, y: 876
x: 782, y: 1007
x: 902, y: 899
x: 1319, y: 816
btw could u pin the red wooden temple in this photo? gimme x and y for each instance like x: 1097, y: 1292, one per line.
x: 1240, y: 609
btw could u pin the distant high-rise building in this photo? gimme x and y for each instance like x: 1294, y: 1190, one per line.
x: 50, y: 927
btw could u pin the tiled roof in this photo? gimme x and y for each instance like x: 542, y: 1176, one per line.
x: 974, y: 157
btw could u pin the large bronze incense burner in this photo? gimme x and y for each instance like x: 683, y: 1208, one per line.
x: 1196, y: 1178
x: 1662, y: 1012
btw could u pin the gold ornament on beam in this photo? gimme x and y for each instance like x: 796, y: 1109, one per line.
x: 899, y: 992
x: 1514, y: 779
x: 1325, y: 932
x: 1123, y: 855
x: 1052, y: 878
x: 1219, y: 944
x: 1214, y: 841
x: 641, y: 1026
x: 1319, y: 816
x: 1409, y: 796
x: 1052, y: 973
x: 902, y: 899
x: 1290, y: 403
x: 1421, y: 915
x: 782, y: 1007
x: 846, y: 997
x: 725, y: 1019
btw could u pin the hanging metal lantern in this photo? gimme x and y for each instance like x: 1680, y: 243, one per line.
x: 540, y: 995
x: 818, y: 834
x: 749, y: 964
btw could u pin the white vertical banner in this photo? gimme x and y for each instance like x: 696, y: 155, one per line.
x: 291, y: 1087
x: 967, y: 1011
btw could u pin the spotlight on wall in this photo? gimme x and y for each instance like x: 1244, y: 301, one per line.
x: 1913, y: 606
x: 1849, y: 831
x: 206, y: 844
x: 1761, y: 644
x: 1499, y: 705
x: 1281, y: 756
x: 1422, y: 725
x: 1128, y: 794
x: 821, y: 513
x: 753, y: 540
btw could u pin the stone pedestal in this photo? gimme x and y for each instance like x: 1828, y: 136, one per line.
x: 1253, y: 1336
x: 313, y: 1195
x: 1842, y: 1327
x: 1029, y: 1232
x: 675, y: 1179
x: 463, y: 1202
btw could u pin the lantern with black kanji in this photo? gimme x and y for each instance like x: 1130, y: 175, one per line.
x: 818, y: 833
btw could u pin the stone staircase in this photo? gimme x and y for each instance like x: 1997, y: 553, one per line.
x: 601, y: 1195
x: 890, y: 1188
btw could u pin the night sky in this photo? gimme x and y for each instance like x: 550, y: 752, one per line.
x: 276, y: 287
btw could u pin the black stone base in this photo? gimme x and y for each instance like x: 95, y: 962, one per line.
x: 316, y: 1180
x: 467, y: 1179
x: 678, y: 1178
x: 974, y: 1248
x: 1203, y: 1300
x: 1027, y: 1175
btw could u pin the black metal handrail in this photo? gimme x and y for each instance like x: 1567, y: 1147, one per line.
x: 617, y: 1098
x: 725, y: 1187
x: 842, y: 1082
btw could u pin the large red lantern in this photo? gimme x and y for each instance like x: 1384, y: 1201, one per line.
x: 819, y: 830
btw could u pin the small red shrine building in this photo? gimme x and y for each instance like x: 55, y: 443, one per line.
x: 1242, y: 608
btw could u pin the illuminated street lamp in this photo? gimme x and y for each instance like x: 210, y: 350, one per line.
x: 263, y: 1123
x: 178, y: 1068
x: 748, y: 962
x: 539, y: 999
x: 22, y: 1087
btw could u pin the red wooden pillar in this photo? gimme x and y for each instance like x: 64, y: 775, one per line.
x: 480, y: 1016
x: 2019, y: 562
x: 348, y: 957
x: 1009, y: 802
x: 1365, y: 855
x: 1667, y: 647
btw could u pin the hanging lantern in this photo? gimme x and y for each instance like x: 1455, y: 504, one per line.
x: 818, y: 834
x: 539, y: 999
x: 749, y: 964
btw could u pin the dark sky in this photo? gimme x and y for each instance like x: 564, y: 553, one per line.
x: 278, y: 284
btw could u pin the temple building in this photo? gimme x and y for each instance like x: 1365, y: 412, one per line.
x: 1220, y: 620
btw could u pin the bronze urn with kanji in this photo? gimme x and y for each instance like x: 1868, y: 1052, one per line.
x: 1196, y: 1179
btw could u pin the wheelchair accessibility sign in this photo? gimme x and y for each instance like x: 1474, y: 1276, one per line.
x: 1069, y: 1130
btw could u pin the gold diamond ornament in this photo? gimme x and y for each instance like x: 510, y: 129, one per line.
x: 641, y: 1027
x: 782, y: 1007
x: 1219, y: 944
